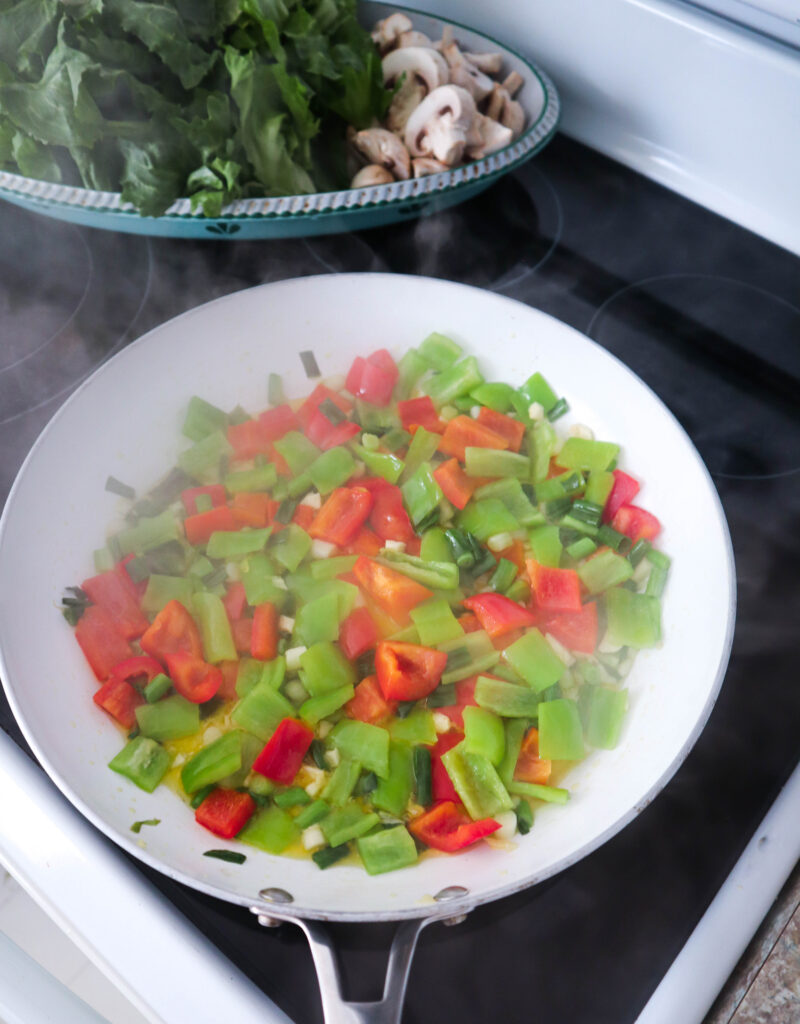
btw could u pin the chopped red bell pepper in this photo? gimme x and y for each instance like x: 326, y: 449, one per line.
x: 235, y: 600
x: 556, y: 590
x: 230, y: 673
x: 448, y: 827
x: 577, y: 631
x: 395, y: 593
x: 365, y: 542
x: 515, y: 553
x: 358, y: 633
x: 388, y: 517
x: 303, y: 516
x: 342, y: 515
x: 281, y: 758
x: 264, y: 639
x: 120, y: 700
x: 278, y: 421
x: 216, y: 492
x: 172, y: 630
x: 623, y: 492
x: 636, y: 523
x: 373, y: 378
x: 242, y: 633
x: 102, y: 643
x: 324, y: 434
x: 530, y: 767
x: 368, y: 703
x: 199, y: 527
x: 469, y: 623
x: 315, y: 399
x: 465, y: 697
x: 281, y: 465
x: 512, y: 430
x: 498, y: 614
x: 247, y: 439
x: 137, y: 667
x: 225, y: 812
x: 254, y: 508
x: 115, y: 592
x: 441, y: 784
x: 192, y: 677
x: 420, y: 412
x: 456, y: 486
x: 408, y: 671
x: 464, y: 432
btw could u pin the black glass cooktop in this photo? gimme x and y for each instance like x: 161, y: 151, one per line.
x: 709, y: 316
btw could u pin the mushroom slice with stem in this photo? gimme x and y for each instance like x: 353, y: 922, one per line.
x: 420, y: 62
x: 493, y: 136
x: 423, y: 165
x: 413, y: 39
x: 488, y: 63
x: 505, y: 110
x: 386, y: 32
x: 372, y: 174
x: 513, y: 83
x: 380, y: 146
x: 441, y: 123
x: 465, y: 74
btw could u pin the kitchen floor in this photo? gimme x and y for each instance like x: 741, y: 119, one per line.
x: 29, y: 927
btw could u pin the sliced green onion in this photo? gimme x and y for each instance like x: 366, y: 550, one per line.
x: 658, y: 558
x: 524, y: 817
x: 559, y: 409
x: 330, y: 855
x: 115, y: 486
x: 310, y: 364
x: 231, y: 856
x: 332, y: 413
x: 581, y: 548
x: 586, y: 512
x: 612, y: 539
x: 275, y: 394
x: 200, y: 795
x: 138, y: 825
x: 422, y: 775
x: 503, y: 576
x: 638, y: 552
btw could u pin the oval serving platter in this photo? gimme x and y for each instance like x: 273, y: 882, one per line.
x: 319, y: 213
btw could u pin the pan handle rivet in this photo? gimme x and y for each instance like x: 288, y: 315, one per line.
x: 276, y: 896
x: 452, y: 892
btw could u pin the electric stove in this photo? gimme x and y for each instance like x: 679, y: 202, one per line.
x: 708, y: 315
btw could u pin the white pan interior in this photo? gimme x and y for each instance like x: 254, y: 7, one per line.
x: 125, y: 420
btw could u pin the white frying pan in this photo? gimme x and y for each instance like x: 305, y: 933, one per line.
x: 125, y: 421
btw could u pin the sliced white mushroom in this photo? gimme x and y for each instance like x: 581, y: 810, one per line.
x: 422, y: 165
x: 493, y: 136
x: 513, y: 82
x: 372, y: 174
x: 505, y: 110
x: 489, y: 63
x: 386, y: 32
x: 440, y: 124
x: 465, y: 74
x: 413, y: 39
x: 494, y: 108
x: 380, y: 146
x: 420, y: 62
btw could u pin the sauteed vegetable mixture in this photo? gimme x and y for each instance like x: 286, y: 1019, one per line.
x: 384, y: 617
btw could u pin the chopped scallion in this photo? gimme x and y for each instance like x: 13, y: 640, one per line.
x: 115, y: 486
x: 559, y: 409
x: 231, y: 856
x: 310, y: 364
x: 138, y: 825
x: 330, y: 855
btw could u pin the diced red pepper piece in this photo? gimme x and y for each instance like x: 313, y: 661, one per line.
x: 358, y: 633
x: 247, y: 439
x: 342, y: 515
x: 281, y: 465
x: 138, y: 667
x: 441, y: 784
x: 388, y: 517
x: 264, y: 640
x: 464, y: 432
x: 456, y: 486
x: 449, y: 828
x: 199, y: 527
x: 116, y: 594
x: 365, y: 542
x: 512, y: 430
x: 278, y: 421
x: 192, y: 677
x: 515, y: 553
x: 225, y: 812
x: 172, y: 630
x: 281, y: 758
x: 230, y: 672
x: 636, y: 523
x: 420, y: 412
x: 354, y: 374
x: 465, y: 697
x: 120, y: 700
x: 102, y: 643
x: 303, y: 516
x: 235, y: 600
x: 408, y: 671
x: 498, y: 614
x: 507, y: 639
x: 395, y: 593
x: 368, y: 703
x: 216, y: 492
x: 577, y: 631
x: 315, y: 399
x: 469, y: 623
x: 324, y: 434
x: 373, y: 378
x: 242, y: 633
x: 253, y: 508
x: 530, y: 767
x: 556, y: 590
x: 622, y: 493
